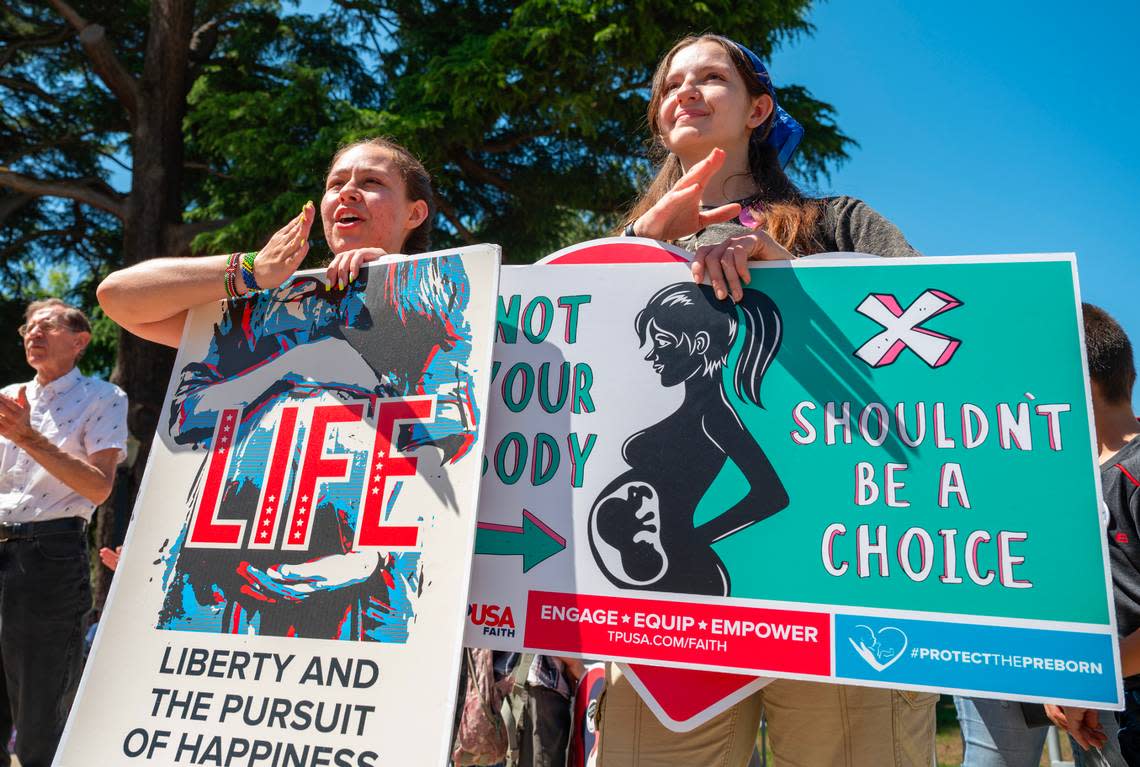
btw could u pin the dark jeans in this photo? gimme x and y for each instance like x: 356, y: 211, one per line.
x: 1130, y: 727
x: 45, y: 595
x: 546, y: 729
x: 5, y: 722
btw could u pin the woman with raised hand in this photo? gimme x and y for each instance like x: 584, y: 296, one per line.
x: 377, y: 201
x: 290, y: 343
x: 721, y: 189
x: 721, y: 193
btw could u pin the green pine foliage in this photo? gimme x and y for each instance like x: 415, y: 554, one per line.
x: 531, y: 117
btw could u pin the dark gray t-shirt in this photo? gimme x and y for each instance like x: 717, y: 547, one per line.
x: 846, y: 225
x: 1120, y: 481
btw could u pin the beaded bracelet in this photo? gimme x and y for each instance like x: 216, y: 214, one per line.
x: 233, y: 266
x: 247, y: 271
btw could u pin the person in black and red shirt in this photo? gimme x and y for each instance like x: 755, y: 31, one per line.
x: 1112, y: 373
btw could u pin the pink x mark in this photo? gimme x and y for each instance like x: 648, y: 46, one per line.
x: 902, y: 329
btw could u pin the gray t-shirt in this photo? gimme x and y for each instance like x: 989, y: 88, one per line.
x: 846, y: 225
x: 1120, y: 482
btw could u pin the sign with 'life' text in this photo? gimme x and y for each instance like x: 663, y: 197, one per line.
x: 295, y: 576
x: 866, y: 471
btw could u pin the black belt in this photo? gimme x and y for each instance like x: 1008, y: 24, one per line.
x: 26, y: 531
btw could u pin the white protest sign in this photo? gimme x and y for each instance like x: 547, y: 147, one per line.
x: 292, y: 589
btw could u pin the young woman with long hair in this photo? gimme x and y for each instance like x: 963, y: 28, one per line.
x: 722, y: 193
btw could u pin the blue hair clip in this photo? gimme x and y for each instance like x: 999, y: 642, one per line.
x: 786, y: 132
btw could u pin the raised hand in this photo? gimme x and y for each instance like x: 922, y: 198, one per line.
x: 678, y: 213
x: 285, y: 250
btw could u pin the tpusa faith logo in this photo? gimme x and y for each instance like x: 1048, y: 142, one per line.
x: 879, y: 648
x: 495, y: 620
x: 903, y: 329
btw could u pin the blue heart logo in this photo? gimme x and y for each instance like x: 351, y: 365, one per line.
x: 879, y: 648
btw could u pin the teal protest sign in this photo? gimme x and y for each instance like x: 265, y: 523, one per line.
x: 872, y: 471
x: 949, y: 463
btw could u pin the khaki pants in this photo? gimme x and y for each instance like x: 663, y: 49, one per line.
x: 810, y: 724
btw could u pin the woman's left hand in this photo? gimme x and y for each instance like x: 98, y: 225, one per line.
x: 345, y: 267
x: 726, y: 263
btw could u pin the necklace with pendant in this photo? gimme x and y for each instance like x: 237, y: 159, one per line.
x: 751, y: 211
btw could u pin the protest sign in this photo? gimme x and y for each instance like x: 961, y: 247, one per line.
x: 843, y: 478
x: 292, y: 589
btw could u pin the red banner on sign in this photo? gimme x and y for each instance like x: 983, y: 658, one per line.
x: 680, y: 632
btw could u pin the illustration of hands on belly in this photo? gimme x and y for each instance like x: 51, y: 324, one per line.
x: 302, y: 372
x: 642, y: 528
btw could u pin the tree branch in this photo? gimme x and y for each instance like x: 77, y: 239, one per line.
x: 202, y: 44
x: 479, y: 173
x: 513, y: 142
x: 15, y: 247
x: 205, y: 168
x: 99, y: 51
x: 204, y: 40
x: 111, y: 156
x: 53, y: 37
x: 453, y: 218
x: 10, y: 203
x: 182, y: 235
x: 56, y: 142
x: 26, y: 86
x: 91, y: 191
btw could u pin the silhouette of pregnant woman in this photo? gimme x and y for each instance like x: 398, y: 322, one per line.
x: 641, y: 528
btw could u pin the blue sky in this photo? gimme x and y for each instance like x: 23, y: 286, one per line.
x: 989, y: 127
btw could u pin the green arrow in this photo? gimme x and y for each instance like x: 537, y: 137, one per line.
x: 534, y: 540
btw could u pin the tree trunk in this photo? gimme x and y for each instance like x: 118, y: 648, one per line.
x: 154, y: 209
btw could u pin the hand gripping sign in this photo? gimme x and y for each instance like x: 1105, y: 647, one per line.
x: 734, y: 488
x: 298, y: 564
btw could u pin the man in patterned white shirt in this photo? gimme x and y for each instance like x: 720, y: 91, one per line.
x: 61, y: 436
